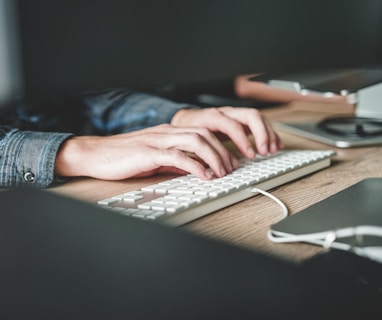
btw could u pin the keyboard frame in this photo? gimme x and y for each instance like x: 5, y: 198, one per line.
x: 220, y: 202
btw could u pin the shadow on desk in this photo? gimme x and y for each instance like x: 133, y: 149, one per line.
x: 62, y: 258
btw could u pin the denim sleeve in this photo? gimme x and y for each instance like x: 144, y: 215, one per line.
x: 120, y: 110
x: 27, y: 158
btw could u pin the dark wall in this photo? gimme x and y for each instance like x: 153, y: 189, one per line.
x: 73, y: 44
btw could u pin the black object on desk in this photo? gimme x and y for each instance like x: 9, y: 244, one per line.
x: 349, y: 220
x: 64, y: 259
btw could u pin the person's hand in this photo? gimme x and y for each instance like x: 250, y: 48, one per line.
x: 236, y: 124
x: 163, y: 148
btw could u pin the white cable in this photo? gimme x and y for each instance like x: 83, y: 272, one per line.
x: 322, y: 236
x: 274, y: 198
x: 328, y: 238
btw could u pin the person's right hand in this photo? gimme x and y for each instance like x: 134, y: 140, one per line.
x: 162, y: 148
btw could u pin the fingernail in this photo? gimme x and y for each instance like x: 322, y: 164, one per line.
x: 208, y: 174
x: 264, y: 149
x: 273, y: 147
x: 250, y: 152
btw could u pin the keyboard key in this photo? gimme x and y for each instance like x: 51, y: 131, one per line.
x: 182, y: 199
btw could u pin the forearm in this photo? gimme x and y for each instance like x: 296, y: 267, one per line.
x: 120, y: 110
x: 28, y: 158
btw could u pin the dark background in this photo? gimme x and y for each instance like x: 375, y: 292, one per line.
x: 71, y: 45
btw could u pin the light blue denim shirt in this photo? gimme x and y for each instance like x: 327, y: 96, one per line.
x: 28, y: 157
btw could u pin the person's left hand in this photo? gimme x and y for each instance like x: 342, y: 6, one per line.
x: 235, y: 123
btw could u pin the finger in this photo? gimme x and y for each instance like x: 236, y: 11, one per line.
x: 229, y: 160
x: 178, y: 161
x: 194, y: 143
x: 204, y: 144
x: 274, y: 141
x: 234, y: 126
x: 162, y: 169
x: 151, y: 160
x: 266, y: 138
x: 199, y: 141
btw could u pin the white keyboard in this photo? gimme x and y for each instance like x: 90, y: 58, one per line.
x: 185, y: 198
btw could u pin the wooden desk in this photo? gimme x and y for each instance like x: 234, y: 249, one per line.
x: 245, y: 224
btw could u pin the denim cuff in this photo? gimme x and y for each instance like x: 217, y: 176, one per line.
x: 28, y: 158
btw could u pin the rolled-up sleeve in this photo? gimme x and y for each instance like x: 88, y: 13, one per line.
x: 28, y: 158
x: 121, y: 110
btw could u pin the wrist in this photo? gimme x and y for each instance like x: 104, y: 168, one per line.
x: 70, y: 160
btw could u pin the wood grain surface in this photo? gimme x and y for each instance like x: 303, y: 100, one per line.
x: 245, y: 224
